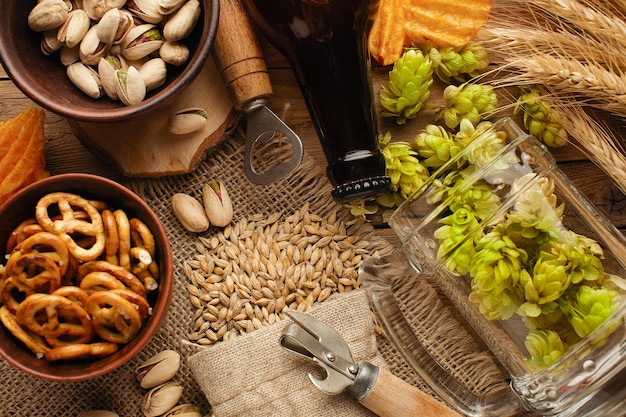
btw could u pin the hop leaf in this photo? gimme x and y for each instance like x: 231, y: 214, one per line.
x: 545, y: 347
x: 455, y: 62
x: 540, y: 120
x: 470, y: 101
x: 408, y: 87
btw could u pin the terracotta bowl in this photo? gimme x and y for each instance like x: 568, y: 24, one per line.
x: 43, y: 78
x: 20, y: 207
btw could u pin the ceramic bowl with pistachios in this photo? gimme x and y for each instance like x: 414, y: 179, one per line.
x: 85, y: 277
x: 105, y: 60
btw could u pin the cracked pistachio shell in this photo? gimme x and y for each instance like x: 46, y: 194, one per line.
x: 49, y: 42
x: 114, y: 25
x: 141, y: 41
x: 217, y: 203
x: 130, y: 86
x: 187, y: 121
x: 74, y: 29
x: 97, y: 8
x: 86, y: 79
x: 91, y: 49
x: 160, y: 399
x: 190, y: 212
x: 169, y: 6
x: 174, y: 53
x: 146, y: 10
x: 98, y: 413
x: 107, y: 68
x: 48, y: 14
x: 184, y: 410
x: 180, y: 24
x: 154, y: 73
x: 158, y: 369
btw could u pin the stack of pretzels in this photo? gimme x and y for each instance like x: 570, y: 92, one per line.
x: 77, y: 278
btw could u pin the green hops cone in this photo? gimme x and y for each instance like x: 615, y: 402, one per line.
x: 406, y: 172
x: 540, y: 120
x: 470, y: 101
x: 435, y: 145
x: 545, y: 347
x: 408, y: 87
x: 453, y: 62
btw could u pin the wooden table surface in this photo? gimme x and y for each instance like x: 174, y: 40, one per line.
x: 287, y: 103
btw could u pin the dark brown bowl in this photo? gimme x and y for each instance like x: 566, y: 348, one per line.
x: 43, y: 78
x: 20, y: 207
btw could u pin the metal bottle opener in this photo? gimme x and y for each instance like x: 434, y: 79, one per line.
x: 239, y: 58
x: 377, y: 389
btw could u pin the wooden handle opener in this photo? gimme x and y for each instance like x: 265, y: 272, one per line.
x: 239, y: 58
x: 375, y: 388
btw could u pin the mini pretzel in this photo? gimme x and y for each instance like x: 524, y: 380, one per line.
x: 100, y: 281
x: 112, y: 238
x: 56, y: 318
x: 36, y: 272
x: 123, y: 232
x: 140, y: 260
x: 11, y: 295
x: 141, y: 236
x: 74, y: 294
x: 12, y: 240
x: 125, y: 276
x: 81, y: 351
x: 46, y: 243
x: 69, y: 225
x: 32, y: 341
x: 114, y: 318
x: 139, y: 302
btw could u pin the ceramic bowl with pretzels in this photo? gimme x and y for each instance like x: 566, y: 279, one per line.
x: 86, y: 277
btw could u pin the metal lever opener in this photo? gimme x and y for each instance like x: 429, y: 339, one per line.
x: 239, y: 58
x: 377, y: 389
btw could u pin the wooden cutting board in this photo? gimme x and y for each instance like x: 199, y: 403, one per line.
x: 143, y: 147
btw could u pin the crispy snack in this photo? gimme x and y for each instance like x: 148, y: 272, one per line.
x: 22, y: 162
x: 399, y: 23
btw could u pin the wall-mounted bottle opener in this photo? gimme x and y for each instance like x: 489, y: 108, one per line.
x: 375, y: 388
x: 239, y: 58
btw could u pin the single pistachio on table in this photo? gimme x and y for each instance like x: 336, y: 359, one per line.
x: 158, y: 369
x: 86, y: 79
x: 74, y: 29
x: 217, y: 203
x: 184, y: 410
x: 187, y: 121
x: 190, y: 212
x: 48, y: 14
x: 98, y: 413
x: 131, y: 88
x: 180, y: 24
x: 161, y: 399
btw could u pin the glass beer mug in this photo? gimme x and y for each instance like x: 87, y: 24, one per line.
x: 325, y: 42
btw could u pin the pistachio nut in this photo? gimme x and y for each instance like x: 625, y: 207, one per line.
x: 130, y: 86
x: 190, y: 212
x: 97, y: 8
x: 154, y: 73
x: 49, y: 42
x: 169, y: 6
x: 86, y: 79
x: 114, y: 25
x: 146, y: 10
x: 217, y: 203
x: 48, y: 14
x: 107, y: 68
x: 69, y: 55
x: 184, y: 410
x: 160, y: 399
x: 141, y: 41
x: 158, y: 369
x: 74, y: 29
x: 180, y: 24
x: 91, y: 49
x: 98, y: 413
x: 187, y: 121
x: 174, y: 53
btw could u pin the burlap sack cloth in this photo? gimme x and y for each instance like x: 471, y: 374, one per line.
x: 25, y: 395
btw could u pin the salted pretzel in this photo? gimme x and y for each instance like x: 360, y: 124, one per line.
x: 35, y: 272
x: 59, y: 320
x: 81, y: 351
x: 139, y: 302
x: 114, y: 318
x: 32, y: 341
x: 68, y: 226
x: 14, y: 237
x: 74, y: 294
x: 112, y: 246
x: 45, y: 243
x: 100, y: 281
x: 142, y: 237
x: 11, y: 295
x: 123, y: 233
x: 122, y: 274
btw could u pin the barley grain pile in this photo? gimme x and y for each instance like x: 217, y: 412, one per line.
x: 245, y: 276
